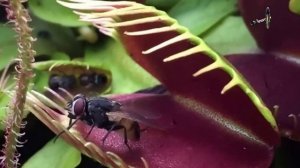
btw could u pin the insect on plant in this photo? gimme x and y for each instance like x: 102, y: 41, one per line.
x: 103, y: 113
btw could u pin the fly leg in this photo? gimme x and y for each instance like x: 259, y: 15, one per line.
x: 125, y: 137
x: 116, y: 127
x: 69, y: 127
x: 87, y: 135
x: 113, y: 127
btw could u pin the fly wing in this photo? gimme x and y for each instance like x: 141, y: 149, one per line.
x: 145, y: 109
x: 145, y: 114
x: 154, y: 121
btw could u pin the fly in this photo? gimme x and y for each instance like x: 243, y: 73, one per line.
x: 102, y: 113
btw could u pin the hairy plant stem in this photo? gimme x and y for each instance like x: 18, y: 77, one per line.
x: 18, y: 15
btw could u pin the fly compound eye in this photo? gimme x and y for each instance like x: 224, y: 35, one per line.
x: 78, y: 105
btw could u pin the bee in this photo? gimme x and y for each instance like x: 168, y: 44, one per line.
x: 102, y: 112
x: 65, y: 81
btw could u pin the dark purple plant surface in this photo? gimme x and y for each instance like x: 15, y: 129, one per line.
x: 204, y: 129
x: 178, y: 133
x: 283, y: 35
x: 273, y: 72
x: 184, y: 136
x: 276, y: 80
x: 177, y: 76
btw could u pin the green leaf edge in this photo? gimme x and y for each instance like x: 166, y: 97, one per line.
x: 223, y: 63
x: 65, y: 151
x: 50, y: 65
x: 70, y: 22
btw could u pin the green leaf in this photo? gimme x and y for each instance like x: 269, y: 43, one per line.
x: 4, y: 100
x: 40, y: 80
x: 294, y: 6
x: 8, y: 45
x: 60, y: 56
x: 165, y: 4
x: 53, y: 38
x: 199, y: 16
x: 231, y: 36
x: 51, y: 11
x: 58, y: 155
x: 127, y: 76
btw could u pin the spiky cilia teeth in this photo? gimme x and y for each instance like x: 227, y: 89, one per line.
x: 4, y: 79
x: 95, y: 5
x: 100, y: 22
x: 42, y: 101
x: 229, y: 85
x: 112, y: 13
x: 106, y: 23
x: 184, y: 53
x: 207, y: 68
x: 137, y: 21
x: 58, y: 96
x: 166, y: 43
x: 151, y: 31
x: 108, y: 31
x: 108, y: 13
